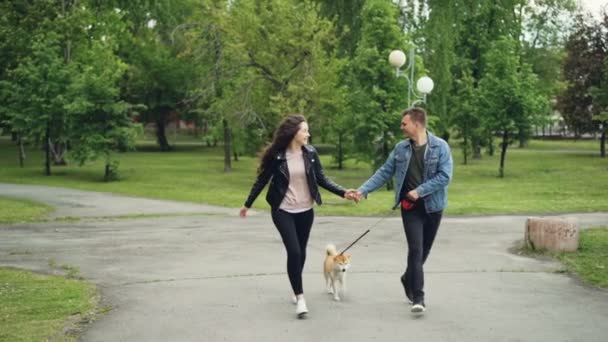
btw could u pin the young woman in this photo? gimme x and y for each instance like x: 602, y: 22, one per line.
x: 294, y: 171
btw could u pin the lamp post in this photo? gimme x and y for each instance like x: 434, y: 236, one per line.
x: 424, y: 85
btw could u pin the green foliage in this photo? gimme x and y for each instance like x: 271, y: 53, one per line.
x: 99, y: 121
x: 34, y: 93
x: 508, y: 93
x: 377, y: 96
x: 583, y: 71
x: 440, y: 58
x: 346, y: 14
x: 64, y: 88
x: 466, y: 123
x: 276, y: 58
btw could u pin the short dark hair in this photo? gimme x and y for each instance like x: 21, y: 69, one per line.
x: 417, y: 114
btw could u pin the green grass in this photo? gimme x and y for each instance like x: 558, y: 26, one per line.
x: 590, y: 262
x: 537, y: 180
x: 565, y: 145
x: 17, y: 210
x: 37, y: 307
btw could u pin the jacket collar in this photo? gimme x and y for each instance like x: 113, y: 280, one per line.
x: 305, y: 149
x: 431, y: 140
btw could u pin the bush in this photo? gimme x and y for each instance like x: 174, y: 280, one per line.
x: 325, y: 148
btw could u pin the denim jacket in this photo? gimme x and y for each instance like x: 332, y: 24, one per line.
x: 437, y: 173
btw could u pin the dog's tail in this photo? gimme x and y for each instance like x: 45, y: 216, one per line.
x: 331, y: 249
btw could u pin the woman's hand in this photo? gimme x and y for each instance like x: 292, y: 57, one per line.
x: 353, y: 195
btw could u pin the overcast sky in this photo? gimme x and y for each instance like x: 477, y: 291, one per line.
x: 593, y: 5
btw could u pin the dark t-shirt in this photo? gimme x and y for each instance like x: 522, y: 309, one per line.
x: 415, y: 171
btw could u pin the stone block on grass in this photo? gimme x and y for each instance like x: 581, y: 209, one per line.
x: 552, y: 234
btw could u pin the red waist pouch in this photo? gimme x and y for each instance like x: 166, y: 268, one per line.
x: 407, y: 205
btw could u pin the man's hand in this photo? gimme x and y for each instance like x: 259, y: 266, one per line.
x: 353, y: 195
x: 412, y: 195
x: 243, y: 212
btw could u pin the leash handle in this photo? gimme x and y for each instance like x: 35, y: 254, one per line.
x: 354, y: 242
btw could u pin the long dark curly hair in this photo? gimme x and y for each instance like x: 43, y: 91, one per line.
x: 287, y: 129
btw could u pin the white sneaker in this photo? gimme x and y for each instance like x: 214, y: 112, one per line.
x: 418, y: 308
x: 294, y: 299
x: 301, y: 309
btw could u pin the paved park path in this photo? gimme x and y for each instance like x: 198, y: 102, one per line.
x: 212, y: 276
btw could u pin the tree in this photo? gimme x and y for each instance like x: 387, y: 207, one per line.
x: 479, y: 24
x: 158, y: 77
x: 583, y: 70
x: 600, y: 102
x: 100, y: 123
x: 600, y: 93
x: 439, y: 52
x: 508, y: 93
x: 546, y: 26
x: 466, y: 121
x: 34, y: 94
x: 346, y: 15
x: 376, y: 96
x: 275, y: 61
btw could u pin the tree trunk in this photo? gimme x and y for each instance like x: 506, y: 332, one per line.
x: 491, y: 145
x: 523, y: 141
x: 197, y: 129
x: 340, y: 151
x: 161, y: 134
x: 236, y: 156
x: 227, y: 146
x: 106, y: 176
x: 503, y: 153
x: 603, y: 145
x: 21, y: 151
x: 47, y: 147
x: 58, y: 153
x: 389, y: 184
x: 476, y: 147
x: 465, y: 148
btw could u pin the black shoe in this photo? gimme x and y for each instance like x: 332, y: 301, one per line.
x: 418, y: 307
x: 408, y: 291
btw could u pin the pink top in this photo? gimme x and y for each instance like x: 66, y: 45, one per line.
x: 297, y: 198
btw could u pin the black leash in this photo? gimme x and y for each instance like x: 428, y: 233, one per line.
x: 359, y: 238
x: 367, y: 231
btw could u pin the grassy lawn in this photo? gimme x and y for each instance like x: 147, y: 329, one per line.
x: 590, y: 262
x: 36, y: 307
x: 565, y: 145
x: 18, y: 210
x: 537, y: 180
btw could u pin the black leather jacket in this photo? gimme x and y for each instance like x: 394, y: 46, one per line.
x: 279, y: 174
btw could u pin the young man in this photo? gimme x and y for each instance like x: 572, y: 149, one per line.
x: 422, y: 167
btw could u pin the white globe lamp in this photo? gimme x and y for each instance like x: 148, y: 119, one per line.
x: 425, y: 85
x: 396, y: 58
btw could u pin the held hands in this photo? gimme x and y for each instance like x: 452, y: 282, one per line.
x: 353, y: 195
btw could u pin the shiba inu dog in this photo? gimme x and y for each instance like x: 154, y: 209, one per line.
x: 334, y: 270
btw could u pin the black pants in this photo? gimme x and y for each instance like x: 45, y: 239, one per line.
x: 420, y: 231
x: 294, y: 230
